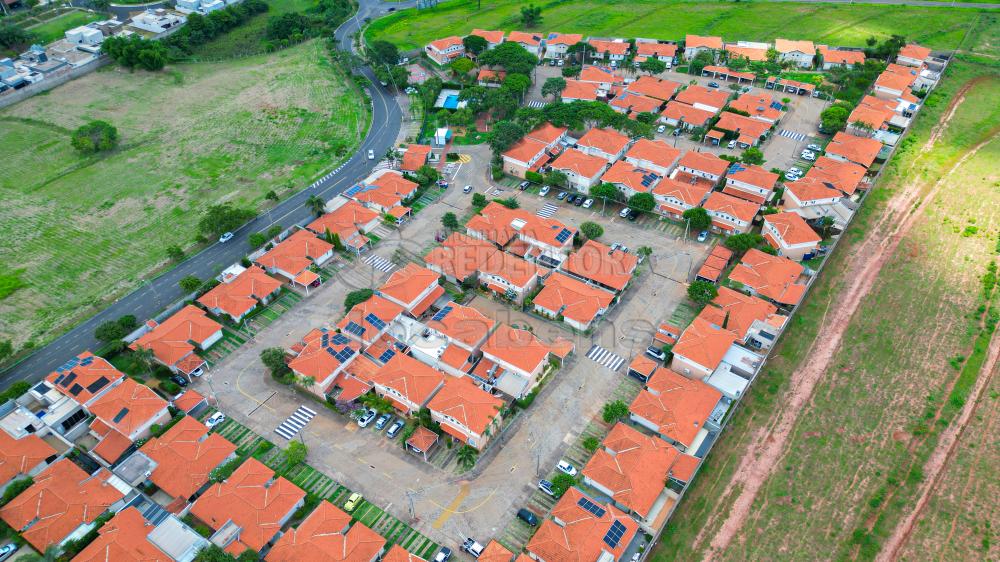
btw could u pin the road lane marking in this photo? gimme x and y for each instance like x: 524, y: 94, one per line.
x: 463, y: 492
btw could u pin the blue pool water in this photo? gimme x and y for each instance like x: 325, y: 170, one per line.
x: 451, y: 102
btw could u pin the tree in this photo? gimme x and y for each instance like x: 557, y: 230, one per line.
x: 557, y: 178
x: 614, y: 411
x: 450, y: 221
x: 510, y: 202
x: 257, y: 239
x: 652, y: 65
x: 383, y: 52
x: 295, y: 454
x: 461, y: 66
x: 223, y: 218
x: 474, y: 44
x: 834, y: 118
x: 143, y: 358
x: 478, y: 200
x: 429, y: 174
x: 175, y: 253
x: 15, y: 488
x: 378, y: 403
x: 699, y: 62
x: 110, y: 331
x: 189, y: 283
x: 553, y: 86
x: 642, y: 201
x: 316, y: 204
x: 467, y: 457
x: 505, y: 134
x: 592, y: 230
x: 512, y: 57
x: 752, y: 155
x: 605, y: 190
x: 697, y: 218
x: 357, y: 297
x: 825, y: 222
x: 644, y: 251
x: 571, y: 71
x: 15, y: 37
x: 591, y: 443
x: 517, y: 83
x: 562, y: 482
x: 96, y: 136
x: 531, y: 15
x: 274, y: 359
x: 740, y: 243
x: 702, y: 292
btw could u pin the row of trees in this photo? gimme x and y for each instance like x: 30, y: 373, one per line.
x: 201, y: 29
x: 135, y: 52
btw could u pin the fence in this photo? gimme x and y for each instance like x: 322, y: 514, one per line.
x: 57, y: 78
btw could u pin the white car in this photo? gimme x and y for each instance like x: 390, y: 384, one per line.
x: 366, y: 418
x: 467, y: 189
x: 661, y: 129
x: 197, y: 372
x: 587, y: 204
x: 7, y: 550
x: 371, y: 154
x: 544, y: 190
x: 624, y: 212
x: 215, y: 419
x: 225, y: 238
x: 566, y: 468
x: 731, y: 145
x: 815, y: 148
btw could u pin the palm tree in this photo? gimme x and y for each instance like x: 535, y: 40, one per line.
x: 467, y: 457
x: 143, y: 358
x: 316, y: 205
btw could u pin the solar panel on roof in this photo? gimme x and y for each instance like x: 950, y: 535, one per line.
x: 345, y: 354
x: 76, y: 389
x: 87, y: 361
x: 614, y: 534
x: 353, y: 328
x: 120, y: 415
x: 59, y: 378
x: 776, y: 105
x: 591, y: 507
x: 441, y: 314
x: 400, y: 346
x: 563, y: 235
x: 97, y: 385
x: 340, y: 339
x: 353, y: 190
x: 69, y: 378
x: 375, y: 321
x: 387, y: 355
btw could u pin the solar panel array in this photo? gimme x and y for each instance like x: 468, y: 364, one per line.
x: 64, y: 381
x: 441, y: 314
x: 649, y: 178
x: 736, y: 167
x: 614, y: 534
x: 776, y: 105
x: 121, y: 415
x: 591, y: 507
x: 563, y: 235
x: 354, y: 328
x: 375, y: 321
x: 342, y: 355
x: 97, y: 385
x: 387, y: 355
x: 340, y: 339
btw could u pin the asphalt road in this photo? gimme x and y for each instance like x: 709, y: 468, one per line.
x: 155, y: 295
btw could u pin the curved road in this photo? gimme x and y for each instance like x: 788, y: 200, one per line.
x: 153, y: 296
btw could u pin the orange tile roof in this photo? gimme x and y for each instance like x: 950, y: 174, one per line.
x: 745, y: 126
x: 298, y: 251
x: 705, y: 96
x: 62, y: 498
x: 495, y: 552
x: 580, y: 536
x: 383, y: 309
x: 344, y: 221
x: 573, y: 299
x: 123, y: 539
x: 415, y: 157
x: 874, y: 115
x: 730, y: 72
x: 686, y: 113
x: 643, y: 365
x: 19, y: 456
x: 845, y: 176
x: 408, y: 283
x: 757, y: 105
x: 597, y: 262
x: 684, y: 467
x: 577, y: 90
x: 568, y: 39
x: 837, y: 56
x: 422, y: 438
x: 561, y: 347
x: 704, y: 162
x: 514, y: 270
x: 519, y: 348
x: 385, y: 188
x: 790, y: 46
x: 633, y: 466
x: 251, y: 498
x: 128, y: 406
x: 915, y: 51
x: 647, y: 49
x: 83, y: 377
x: 611, y: 47
x: 750, y: 53
x: 580, y: 163
x: 185, y: 456
x: 740, y: 208
x: 530, y: 39
x: 605, y: 140
x: 657, y: 152
x: 112, y: 444
x: 317, y: 357
x: 896, y: 79
x: 501, y: 225
x: 792, y: 228
x: 722, y: 252
x: 679, y: 406
x: 546, y: 132
x: 490, y: 35
x: 696, y: 41
x: 525, y: 150
x: 442, y: 44
x: 754, y: 175
x: 414, y: 380
x: 629, y: 101
x: 324, y: 535
x: 631, y: 176
x: 736, y: 312
x: 811, y: 188
x: 238, y: 296
x: 463, y: 324
x: 188, y: 400
x: 600, y: 75
x: 704, y: 343
x: 460, y: 255
x: 770, y: 276
x: 400, y: 554
x: 463, y: 400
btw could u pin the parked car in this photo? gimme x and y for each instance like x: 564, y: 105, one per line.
x: 371, y: 154
x: 467, y: 189
x: 353, y: 502
x: 571, y: 198
x: 544, y: 190
x: 587, y: 204
x: 560, y: 63
x: 632, y: 215
x: 794, y: 170
x: 225, y: 238
x: 382, y: 421
x: 624, y: 212
x: 527, y: 516
x: 579, y: 200
x: 731, y: 145
x: 523, y: 185
x: 197, y: 372
x: 677, y: 132
x: 614, y: 64
x: 394, y: 429
x: 410, y: 90
x: 656, y: 353
x: 366, y: 418
x: 563, y: 466
x: 561, y: 196
x: 443, y: 555
x: 713, y: 84
x: 179, y: 380
x: 7, y: 550
x: 661, y: 129
x: 472, y: 547
x: 546, y: 486
x: 809, y: 156
x: 215, y: 419
x: 815, y: 148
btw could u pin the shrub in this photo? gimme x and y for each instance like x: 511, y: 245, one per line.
x: 534, y: 177
x: 96, y: 136
x: 592, y: 230
x: 357, y: 297
x: 562, y: 482
x: 591, y: 444
x: 15, y: 488
x: 614, y: 411
x: 189, y: 283
x: 702, y: 292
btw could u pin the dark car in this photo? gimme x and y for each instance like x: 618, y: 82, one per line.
x: 561, y: 196
x: 179, y: 379
x: 571, y: 198
x: 527, y: 516
x: 632, y: 215
x: 579, y: 200
x: 713, y: 84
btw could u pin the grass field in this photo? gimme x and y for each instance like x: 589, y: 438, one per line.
x: 245, y: 40
x: 848, y: 25
x: 848, y: 451
x: 56, y: 27
x: 86, y: 230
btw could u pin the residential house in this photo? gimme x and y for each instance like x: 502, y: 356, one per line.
x: 490, y: 78
x: 652, y: 87
x: 755, y: 322
x: 833, y: 57
x: 600, y: 265
x: 495, y: 552
x: 467, y: 412
x: 189, y: 401
x: 750, y: 182
x: 327, y: 534
x: 700, y: 349
x: 630, y: 179
x: 716, y: 262
x: 582, y: 529
x: 533, y: 151
x: 604, y: 143
x: 634, y: 104
x: 415, y: 156
x: 400, y: 554
x: 85, y: 378
x: 130, y: 536
x: 322, y: 356
x: 653, y: 155
x: 705, y: 99
x: 578, y: 90
x: 799, y: 53
x: 557, y: 44
x: 673, y: 196
x: 522, y: 233
x: 679, y: 114
x: 845, y: 176
x: 575, y: 302
x: 605, y: 78
x: 513, y: 360
x: 694, y: 44
x: 849, y: 148
x: 730, y: 215
x: 61, y: 504
x: 775, y: 278
x: 747, y: 130
x: 131, y: 409
x: 813, y: 198
x: 871, y: 115
x: 895, y: 82
x: 349, y: 221
x: 384, y: 191
x: 443, y: 51
x: 759, y: 106
x: 463, y: 326
x: 292, y: 257
x: 458, y: 258
x: 789, y: 234
x: 753, y: 52
x: 174, y: 342
x: 582, y: 170
x: 183, y: 458
x: 614, y: 50
x: 678, y: 409
x: 413, y: 287
x: 407, y: 383
x: 531, y: 42
x: 248, y: 509
x: 368, y: 320
x: 156, y: 21
x: 238, y: 295
x: 24, y: 455
x: 509, y: 277
x: 913, y: 55
x: 665, y: 52
x: 493, y: 38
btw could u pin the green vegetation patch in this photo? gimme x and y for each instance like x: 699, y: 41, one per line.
x: 57, y: 27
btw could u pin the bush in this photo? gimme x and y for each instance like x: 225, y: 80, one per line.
x: 591, y: 444
x: 534, y: 177
x: 220, y: 473
x: 702, y: 292
x: 14, y: 391
x: 562, y: 482
x: 170, y: 387
x: 357, y: 297
x: 175, y: 253
x: 96, y: 136
x: 478, y: 200
x: 223, y: 218
x: 189, y: 283
x: 592, y: 230
x: 15, y: 488
x: 614, y: 411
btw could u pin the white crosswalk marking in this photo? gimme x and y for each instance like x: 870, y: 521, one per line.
x: 605, y: 358
x: 295, y: 422
x: 380, y: 263
x: 547, y: 211
x: 536, y: 103
x: 792, y: 135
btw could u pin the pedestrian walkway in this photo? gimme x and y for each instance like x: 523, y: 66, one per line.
x: 547, y: 211
x: 380, y: 263
x: 536, y: 103
x: 793, y: 135
x: 295, y: 422
x: 605, y: 358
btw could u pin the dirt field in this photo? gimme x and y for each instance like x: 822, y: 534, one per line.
x: 87, y: 229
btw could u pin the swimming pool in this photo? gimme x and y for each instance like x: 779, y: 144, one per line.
x: 451, y: 102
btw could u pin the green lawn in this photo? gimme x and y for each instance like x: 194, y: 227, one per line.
x: 86, y: 230
x: 847, y: 25
x: 246, y: 39
x: 56, y: 27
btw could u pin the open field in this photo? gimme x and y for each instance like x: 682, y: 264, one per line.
x: 245, y: 40
x: 87, y: 229
x: 850, y: 462
x: 56, y: 27
x: 939, y: 28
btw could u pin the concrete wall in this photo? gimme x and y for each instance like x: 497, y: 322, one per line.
x: 55, y: 79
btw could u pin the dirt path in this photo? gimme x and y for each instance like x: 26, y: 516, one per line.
x: 769, y: 443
